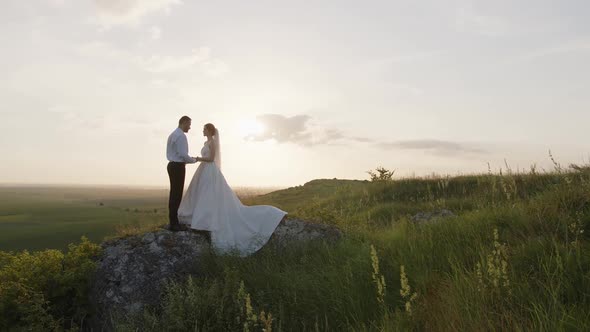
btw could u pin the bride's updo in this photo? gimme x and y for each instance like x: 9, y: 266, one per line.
x: 211, y: 128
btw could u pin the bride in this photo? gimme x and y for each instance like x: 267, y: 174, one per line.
x: 210, y: 204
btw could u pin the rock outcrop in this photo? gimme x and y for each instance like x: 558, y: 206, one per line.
x: 292, y: 231
x: 132, y: 271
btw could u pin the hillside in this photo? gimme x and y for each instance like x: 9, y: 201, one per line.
x: 292, y: 198
x: 513, y: 254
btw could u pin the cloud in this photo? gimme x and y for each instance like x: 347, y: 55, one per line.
x: 283, y: 129
x: 468, y: 20
x: 56, y: 3
x: 129, y: 12
x: 167, y: 63
x: 198, y: 59
x: 301, y: 131
x: 362, y: 139
x: 436, y: 146
x: 102, y: 50
x: 70, y: 118
x: 378, y: 64
x: 76, y: 119
x: 155, y: 33
x: 563, y: 48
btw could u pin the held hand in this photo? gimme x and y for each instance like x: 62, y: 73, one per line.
x: 197, y: 159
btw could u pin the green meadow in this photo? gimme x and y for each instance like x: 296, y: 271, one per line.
x: 51, y: 217
x: 36, y: 218
x: 515, y: 257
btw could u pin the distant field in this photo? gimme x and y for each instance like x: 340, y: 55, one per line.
x: 37, y: 218
x: 516, y: 256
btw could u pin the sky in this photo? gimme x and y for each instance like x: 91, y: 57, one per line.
x: 299, y: 90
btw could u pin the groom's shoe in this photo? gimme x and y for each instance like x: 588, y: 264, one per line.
x: 175, y: 228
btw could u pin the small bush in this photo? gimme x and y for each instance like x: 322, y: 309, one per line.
x: 381, y: 174
x: 46, y: 290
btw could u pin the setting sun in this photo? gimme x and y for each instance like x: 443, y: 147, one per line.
x: 251, y: 128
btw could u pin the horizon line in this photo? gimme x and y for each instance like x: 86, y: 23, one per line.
x: 95, y: 185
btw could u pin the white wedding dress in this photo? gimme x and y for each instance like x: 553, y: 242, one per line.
x: 210, y: 204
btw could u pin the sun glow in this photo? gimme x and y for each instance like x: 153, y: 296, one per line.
x: 251, y: 128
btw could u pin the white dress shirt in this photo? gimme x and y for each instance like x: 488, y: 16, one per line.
x: 177, y: 148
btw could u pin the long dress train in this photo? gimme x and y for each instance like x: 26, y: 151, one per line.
x: 210, y: 204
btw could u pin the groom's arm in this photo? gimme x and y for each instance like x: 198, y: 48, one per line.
x: 182, y: 146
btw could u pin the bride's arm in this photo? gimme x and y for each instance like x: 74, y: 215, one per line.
x: 209, y: 160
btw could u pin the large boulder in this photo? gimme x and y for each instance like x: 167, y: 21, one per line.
x: 132, y: 271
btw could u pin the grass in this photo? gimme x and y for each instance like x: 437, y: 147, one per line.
x: 40, y: 218
x: 515, y: 257
x: 37, y: 218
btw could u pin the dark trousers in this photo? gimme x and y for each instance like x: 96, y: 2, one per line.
x: 176, y: 173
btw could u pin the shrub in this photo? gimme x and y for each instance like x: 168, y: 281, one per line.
x: 46, y: 290
x: 381, y: 174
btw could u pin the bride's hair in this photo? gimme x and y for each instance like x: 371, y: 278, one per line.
x: 214, y: 132
x: 211, y: 128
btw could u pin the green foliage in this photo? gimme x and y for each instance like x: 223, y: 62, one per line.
x: 28, y: 215
x: 381, y: 174
x: 289, y: 291
x: 517, y: 255
x: 46, y: 290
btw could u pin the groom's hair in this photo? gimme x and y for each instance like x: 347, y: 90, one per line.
x: 183, y: 120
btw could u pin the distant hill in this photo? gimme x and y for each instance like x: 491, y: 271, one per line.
x: 293, y: 197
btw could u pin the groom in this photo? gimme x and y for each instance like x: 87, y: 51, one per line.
x: 177, y: 154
